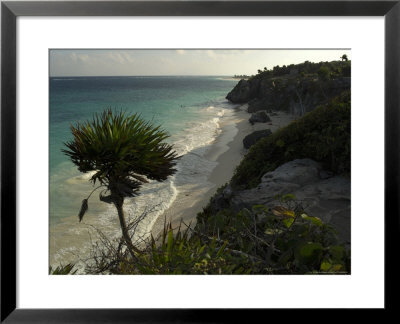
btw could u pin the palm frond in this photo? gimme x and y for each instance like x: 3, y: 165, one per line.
x: 116, y: 145
x: 83, y: 209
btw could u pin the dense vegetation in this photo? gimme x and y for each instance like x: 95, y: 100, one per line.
x: 322, y: 135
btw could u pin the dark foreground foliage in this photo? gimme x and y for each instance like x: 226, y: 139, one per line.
x: 67, y: 269
x: 279, y: 240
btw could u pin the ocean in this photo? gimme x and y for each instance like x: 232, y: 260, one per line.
x: 189, y: 108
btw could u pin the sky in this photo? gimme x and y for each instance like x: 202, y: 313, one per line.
x: 128, y: 62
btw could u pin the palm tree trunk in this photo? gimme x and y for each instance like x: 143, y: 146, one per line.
x: 119, y: 205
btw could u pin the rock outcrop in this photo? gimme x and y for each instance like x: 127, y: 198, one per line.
x: 259, y: 117
x: 243, y: 91
x: 254, y: 137
x: 322, y: 195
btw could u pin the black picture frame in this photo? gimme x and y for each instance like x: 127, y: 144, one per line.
x: 10, y: 10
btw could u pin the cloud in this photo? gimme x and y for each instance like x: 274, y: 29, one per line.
x: 73, y: 56
x: 116, y: 57
x: 83, y: 57
x: 128, y: 57
x: 211, y: 53
x: 121, y: 57
x: 181, y: 52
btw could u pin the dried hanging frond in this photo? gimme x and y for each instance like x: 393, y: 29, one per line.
x: 84, y: 209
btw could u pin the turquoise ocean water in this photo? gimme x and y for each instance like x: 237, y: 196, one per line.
x: 189, y: 108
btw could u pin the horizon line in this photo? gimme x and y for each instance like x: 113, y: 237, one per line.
x: 155, y: 75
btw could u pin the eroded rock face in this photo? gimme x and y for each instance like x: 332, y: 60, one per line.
x: 258, y: 104
x: 259, y: 117
x: 243, y: 91
x: 254, y: 137
x: 325, y: 197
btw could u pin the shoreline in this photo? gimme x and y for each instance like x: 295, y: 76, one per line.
x: 226, y: 151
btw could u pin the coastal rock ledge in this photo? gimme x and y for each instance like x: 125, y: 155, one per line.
x: 321, y: 194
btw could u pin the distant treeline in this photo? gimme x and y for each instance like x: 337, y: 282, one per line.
x: 324, y: 69
x: 241, y: 76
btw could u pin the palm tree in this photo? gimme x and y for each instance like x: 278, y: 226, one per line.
x: 121, y: 150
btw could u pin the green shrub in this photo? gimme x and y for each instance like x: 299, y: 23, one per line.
x: 63, y: 270
x: 322, y: 135
x: 324, y: 73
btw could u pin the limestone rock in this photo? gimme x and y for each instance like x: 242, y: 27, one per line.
x: 259, y: 117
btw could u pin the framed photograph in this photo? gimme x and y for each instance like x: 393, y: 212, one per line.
x: 245, y: 147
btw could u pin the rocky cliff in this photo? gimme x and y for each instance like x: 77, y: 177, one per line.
x: 294, y: 95
x: 293, y: 92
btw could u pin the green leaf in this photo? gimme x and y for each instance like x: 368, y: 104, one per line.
x: 202, y: 249
x: 170, y: 243
x: 325, y: 266
x: 337, y: 267
x: 280, y: 143
x: 221, y: 249
x: 273, y: 231
x: 288, y: 197
x: 285, y: 257
x: 337, y: 252
x: 314, y: 220
x: 258, y: 208
x: 310, y: 248
x: 288, y: 222
x: 309, y: 253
